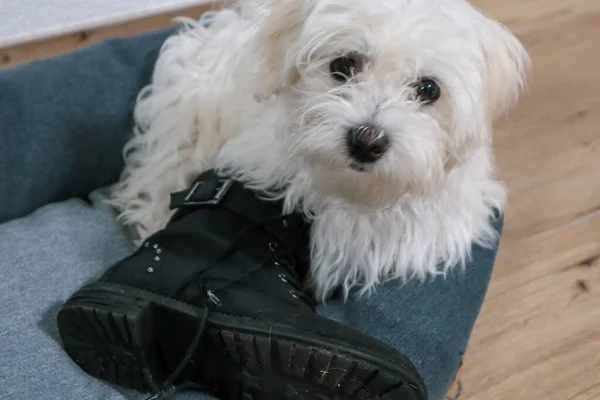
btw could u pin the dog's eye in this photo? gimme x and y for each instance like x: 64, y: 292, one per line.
x: 428, y: 91
x: 344, y: 68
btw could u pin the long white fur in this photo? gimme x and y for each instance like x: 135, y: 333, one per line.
x: 251, y: 96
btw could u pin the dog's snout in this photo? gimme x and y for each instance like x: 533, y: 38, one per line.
x: 367, y: 143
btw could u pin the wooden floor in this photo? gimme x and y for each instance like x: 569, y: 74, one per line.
x: 538, y: 336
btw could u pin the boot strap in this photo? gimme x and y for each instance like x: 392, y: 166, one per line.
x: 210, y: 190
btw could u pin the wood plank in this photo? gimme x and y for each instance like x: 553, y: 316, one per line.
x: 527, y: 14
x: 538, y: 335
x: 548, y: 150
x: 22, y: 53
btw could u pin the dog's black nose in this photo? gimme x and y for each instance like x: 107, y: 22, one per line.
x: 367, y: 143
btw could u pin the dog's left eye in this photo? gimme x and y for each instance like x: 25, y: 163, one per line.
x: 344, y: 68
x: 428, y: 91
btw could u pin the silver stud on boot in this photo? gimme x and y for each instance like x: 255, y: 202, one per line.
x: 156, y: 258
x: 273, y: 246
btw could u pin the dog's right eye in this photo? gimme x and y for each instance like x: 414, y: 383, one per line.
x: 344, y: 68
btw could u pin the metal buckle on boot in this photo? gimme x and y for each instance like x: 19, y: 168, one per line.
x: 220, y: 193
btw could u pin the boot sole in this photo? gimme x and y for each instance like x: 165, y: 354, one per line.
x: 107, y: 329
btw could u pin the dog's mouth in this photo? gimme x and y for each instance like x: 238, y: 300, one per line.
x: 359, y: 167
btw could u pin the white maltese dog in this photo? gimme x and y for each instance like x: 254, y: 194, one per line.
x: 374, y: 117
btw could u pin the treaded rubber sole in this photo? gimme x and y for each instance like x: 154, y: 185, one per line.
x: 109, y: 334
x: 110, y: 337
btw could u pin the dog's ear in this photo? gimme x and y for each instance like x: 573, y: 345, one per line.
x: 278, y: 32
x: 506, y: 70
x: 507, y: 67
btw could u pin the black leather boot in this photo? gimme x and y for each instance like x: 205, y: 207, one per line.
x: 215, y: 299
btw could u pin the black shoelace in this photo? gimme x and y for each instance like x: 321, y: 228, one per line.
x: 169, y: 388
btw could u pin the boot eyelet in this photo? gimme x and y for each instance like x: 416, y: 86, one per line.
x: 150, y: 270
x: 212, y: 297
x: 283, y: 278
x: 276, y: 263
x: 273, y: 246
x: 285, y: 223
x: 147, y: 244
x: 294, y: 294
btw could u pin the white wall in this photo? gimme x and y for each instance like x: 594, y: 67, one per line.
x: 25, y: 20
